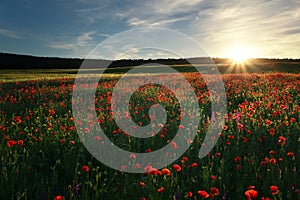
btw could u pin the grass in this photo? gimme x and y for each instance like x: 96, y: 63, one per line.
x: 42, y: 156
x: 44, y: 74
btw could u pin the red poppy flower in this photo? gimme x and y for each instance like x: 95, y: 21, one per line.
x: 251, y: 194
x: 225, y: 127
x: 273, y: 161
x: 237, y: 159
x: 265, y: 198
x: 214, y: 191
x: 148, y: 150
x: 137, y: 165
x: 51, y: 112
x: 240, y: 126
x: 194, y: 164
x: 58, y: 198
x: 230, y: 136
x: 174, y: 145
x: 85, y: 168
x: 161, y: 189
x: 11, y: 143
x: 239, y: 167
x: 184, y: 159
x: 189, y: 194
x: 177, y: 167
x: 155, y: 171
x: 290, y: 154
x: 274, y: 189
x: 217, y: 154
x: 281, y: 141
x: 133, y: 156
x: 142, y: 184
x: 203, y: 194
x: 18, y: 119
x: 269, y: 122
x: 148, y: 168
x: 166, y: 171
x: 21, y: 143
x: 100, y: 139
x: 272, y: 131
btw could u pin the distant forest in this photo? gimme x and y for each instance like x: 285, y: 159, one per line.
x: 14, y: 61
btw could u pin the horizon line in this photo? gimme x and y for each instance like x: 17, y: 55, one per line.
x: 158, y: 58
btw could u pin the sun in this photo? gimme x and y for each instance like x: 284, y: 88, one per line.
x: 240, y: 58
x: 240, y: 54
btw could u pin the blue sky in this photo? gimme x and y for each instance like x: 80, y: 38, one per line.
x: 72, y: 28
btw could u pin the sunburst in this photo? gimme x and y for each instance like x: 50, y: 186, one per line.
x: 240, y: 54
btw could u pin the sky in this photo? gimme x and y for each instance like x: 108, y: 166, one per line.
x: 73, y: 28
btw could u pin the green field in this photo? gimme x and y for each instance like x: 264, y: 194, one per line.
x: 7, y: 75
x: 256, y: 156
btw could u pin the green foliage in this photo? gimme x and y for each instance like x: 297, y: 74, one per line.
x: 42, y: 156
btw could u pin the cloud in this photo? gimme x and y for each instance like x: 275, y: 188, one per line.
x: 82, y: 40
x: 136, y: 13
x: 67, y: 46
x: 267, y: 26
x: 135, y: 22
x: 94, y: 12
x: 85, y: 39
x: 171, y: 7
x: 10, y: 34
x: 103, y: 35
x: 292, y: 31
x: 80, y: 46
x: 272, y: 27
x: 91, y: 15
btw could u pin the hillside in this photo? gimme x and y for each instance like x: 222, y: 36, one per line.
x: 23, y: 62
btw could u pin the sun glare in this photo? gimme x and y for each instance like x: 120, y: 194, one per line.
x: 240, y: 58
x: 240, y: 54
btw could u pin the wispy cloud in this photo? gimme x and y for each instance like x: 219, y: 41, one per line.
x: 85, y: 39
x: 79, y: 46
x: 272, y: 27
x: 158, y: 12
x: 81, y: 41
x: 171, y: 7
x: 91, y: 14
x: 10, y: 34
x: 135, y: 22
x: 94, y: 12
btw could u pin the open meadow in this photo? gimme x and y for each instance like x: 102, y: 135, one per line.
x: 150, y: 100
x: 256, y: 157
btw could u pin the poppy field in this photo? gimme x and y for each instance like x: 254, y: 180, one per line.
x: 257, y: 155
